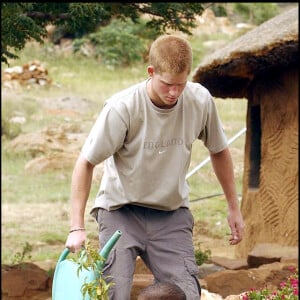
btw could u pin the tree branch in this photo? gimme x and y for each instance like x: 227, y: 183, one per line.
x: 50, y: 17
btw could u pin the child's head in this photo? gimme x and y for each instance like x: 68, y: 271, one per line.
x: 162, y: 291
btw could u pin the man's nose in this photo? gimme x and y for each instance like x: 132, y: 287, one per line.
x: 173, y: 90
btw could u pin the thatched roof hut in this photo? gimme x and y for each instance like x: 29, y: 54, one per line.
x: 262, y: 66
x: 228, y: 72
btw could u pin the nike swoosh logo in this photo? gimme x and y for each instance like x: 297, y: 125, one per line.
x: 161, y: 152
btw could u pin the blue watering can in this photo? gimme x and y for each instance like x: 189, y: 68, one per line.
x: 67, y: 282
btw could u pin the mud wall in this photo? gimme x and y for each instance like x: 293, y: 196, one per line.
x: 270, y: 201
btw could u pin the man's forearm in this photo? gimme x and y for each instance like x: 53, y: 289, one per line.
x: 80, y: 190
x: 223, y: 167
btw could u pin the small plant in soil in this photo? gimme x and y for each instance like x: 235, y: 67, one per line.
x: 202, y: 256
x: 19, y: 257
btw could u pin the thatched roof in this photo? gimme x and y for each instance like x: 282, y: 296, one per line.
x: 271, y: 46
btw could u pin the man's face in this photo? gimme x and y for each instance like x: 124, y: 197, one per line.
x: 165, y: 88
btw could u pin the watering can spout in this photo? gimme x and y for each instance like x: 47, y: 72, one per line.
x: 108, y: 247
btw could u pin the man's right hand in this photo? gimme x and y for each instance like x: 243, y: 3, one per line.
x: 75, y: 240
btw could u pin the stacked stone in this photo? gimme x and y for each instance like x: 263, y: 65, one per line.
x: 30, y: 73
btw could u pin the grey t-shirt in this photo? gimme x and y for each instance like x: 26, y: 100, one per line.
x: 147, y: 150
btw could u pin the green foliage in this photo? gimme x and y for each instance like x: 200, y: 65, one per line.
x: 219, y: 10
x: 50, y: 272
x: 17, y: 28
x: 202, y: 256
x: 120, y: 44
x: 20, y: 256
x: 256, y: 13
x: 15, y: 108
x: 21, y: 22
x: 9, y: 129
x: 89, y: 258
x: 172, y: 15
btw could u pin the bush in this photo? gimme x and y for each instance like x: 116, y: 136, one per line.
x: 202, y: 256
x: 119, y: 44
x: 10, y: 130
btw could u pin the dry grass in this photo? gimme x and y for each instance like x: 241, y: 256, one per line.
x: 43, y: 225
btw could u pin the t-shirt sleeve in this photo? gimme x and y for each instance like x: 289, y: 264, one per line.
x: 106, y: 136
x: 213, y: 135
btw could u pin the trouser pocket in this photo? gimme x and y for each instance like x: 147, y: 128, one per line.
x: 193, y: 286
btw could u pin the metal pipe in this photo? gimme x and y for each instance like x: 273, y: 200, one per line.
x: 208, y: 158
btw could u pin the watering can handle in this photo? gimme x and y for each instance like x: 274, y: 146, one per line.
x: 105, y: 250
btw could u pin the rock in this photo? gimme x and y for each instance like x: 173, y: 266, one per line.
x: 50, y: 162
x: 52, y: 139
x: 30, y: 73
x: 229, y: 263
x: 234, y: 282
x: 230, y: 282
x: 206, y: 269
x: 233, y: 297
x: 266, y: 253
x: 206, y: 295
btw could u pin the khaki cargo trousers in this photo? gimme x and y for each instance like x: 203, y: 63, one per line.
x: 163, y: 240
